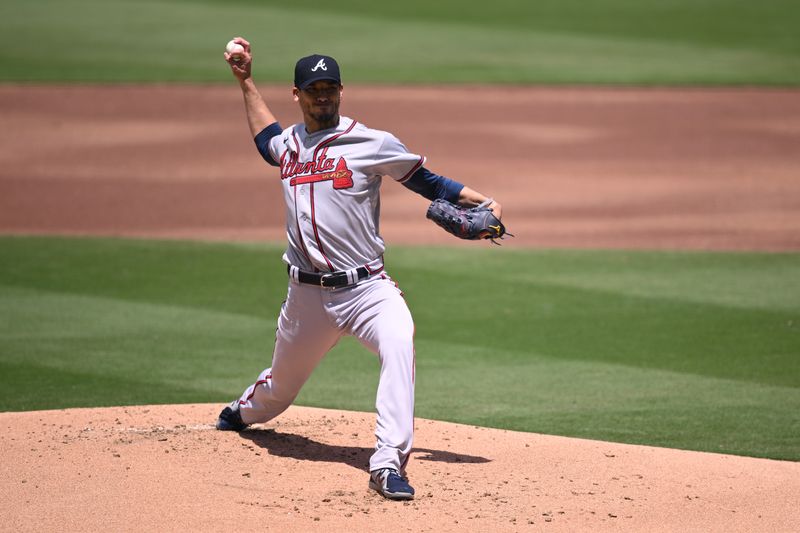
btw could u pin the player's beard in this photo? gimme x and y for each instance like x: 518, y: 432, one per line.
x: 327, y: 117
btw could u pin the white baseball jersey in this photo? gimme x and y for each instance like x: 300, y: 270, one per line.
x: 331, y: 181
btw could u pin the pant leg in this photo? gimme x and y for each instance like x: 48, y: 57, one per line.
x: 304, y: 335
x: 384, y: 325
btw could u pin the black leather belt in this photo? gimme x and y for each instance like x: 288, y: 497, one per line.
x: 329, y: 279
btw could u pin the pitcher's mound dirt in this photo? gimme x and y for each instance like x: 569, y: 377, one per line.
x: 165, y: 468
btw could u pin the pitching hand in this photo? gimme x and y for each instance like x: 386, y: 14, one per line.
x: 241, y: 66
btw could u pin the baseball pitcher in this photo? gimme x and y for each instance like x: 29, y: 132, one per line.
x: 331, y: 170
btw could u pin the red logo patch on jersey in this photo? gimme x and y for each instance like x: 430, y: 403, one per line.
x: 341, y: 176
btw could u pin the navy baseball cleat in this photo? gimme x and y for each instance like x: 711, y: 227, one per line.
x: 230, y: 419
x: 389, y: 484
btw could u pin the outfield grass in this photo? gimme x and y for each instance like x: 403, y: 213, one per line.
x: 687, y: 350
x: 503, y: 41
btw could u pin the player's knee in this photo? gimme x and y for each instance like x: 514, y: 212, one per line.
x: 400, y: 338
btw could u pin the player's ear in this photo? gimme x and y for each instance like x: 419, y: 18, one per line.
x: 295, y: 94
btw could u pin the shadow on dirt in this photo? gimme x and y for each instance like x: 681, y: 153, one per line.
x: 305, y: 449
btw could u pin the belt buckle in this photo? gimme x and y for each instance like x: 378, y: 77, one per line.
x: 322, y: 279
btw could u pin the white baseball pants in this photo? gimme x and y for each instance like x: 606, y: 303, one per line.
x: 311, y: 322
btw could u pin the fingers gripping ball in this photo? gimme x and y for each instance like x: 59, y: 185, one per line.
x: 470, y: 223
x: 234, y: 49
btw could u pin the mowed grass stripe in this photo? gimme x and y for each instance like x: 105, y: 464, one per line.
x: 213, y: 276
x: 158, y: 353
x: 123, y: 40
x: 497, y: 343
x: 729, y: 279
x: 730, y: 23
x: 29, y: 386
x: 588, y: 399
x: 748, y: 330
x: 617, y: 402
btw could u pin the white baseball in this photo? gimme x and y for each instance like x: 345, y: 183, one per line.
x: 234, y: 49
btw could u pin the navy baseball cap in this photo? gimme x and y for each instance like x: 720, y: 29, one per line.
x: 314, y: 68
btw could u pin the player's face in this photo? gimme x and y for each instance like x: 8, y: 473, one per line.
x: 320, y: 102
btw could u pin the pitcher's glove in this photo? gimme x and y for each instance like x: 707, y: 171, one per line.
x: 471, y: 223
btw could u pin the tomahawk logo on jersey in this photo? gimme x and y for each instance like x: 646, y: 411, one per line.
x: 321, y: 169
x: 342, y: 177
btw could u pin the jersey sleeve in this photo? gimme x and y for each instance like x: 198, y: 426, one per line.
x: 267, y: 142
x: 393, y: 159
x: 433, y: 186
x: 274, y: 147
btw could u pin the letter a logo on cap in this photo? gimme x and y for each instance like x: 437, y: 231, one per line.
x: 320, y: 64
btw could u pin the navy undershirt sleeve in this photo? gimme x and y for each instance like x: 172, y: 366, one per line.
x: 262, y: 142
x: 433, y: 186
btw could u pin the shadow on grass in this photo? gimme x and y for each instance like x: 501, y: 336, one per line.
x: 305, y: 449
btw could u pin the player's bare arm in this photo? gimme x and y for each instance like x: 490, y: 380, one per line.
x: 259, y: 115
x: 472, y: 198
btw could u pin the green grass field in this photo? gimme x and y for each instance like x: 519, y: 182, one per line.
x: 685, y: 42
x: 688, y: 350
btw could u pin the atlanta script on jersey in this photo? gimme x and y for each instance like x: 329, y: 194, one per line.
x: 331, y: 181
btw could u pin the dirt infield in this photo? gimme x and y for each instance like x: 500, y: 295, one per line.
x: 622, y: 168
